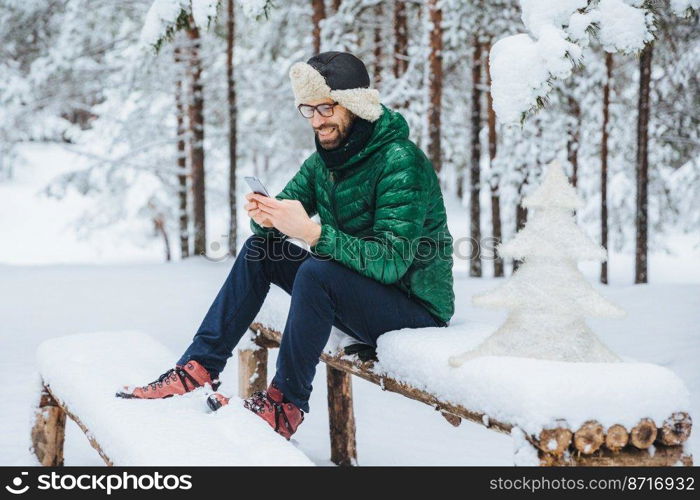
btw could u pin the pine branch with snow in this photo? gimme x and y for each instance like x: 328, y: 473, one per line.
x: 256, y: 9
x: 166, y: 17
x: 685, y: 8
x: 523, y: 66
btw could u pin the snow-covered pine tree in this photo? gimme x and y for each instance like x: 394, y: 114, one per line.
x: 547, y: 296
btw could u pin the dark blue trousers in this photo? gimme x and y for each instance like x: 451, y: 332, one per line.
x: 324, y: 294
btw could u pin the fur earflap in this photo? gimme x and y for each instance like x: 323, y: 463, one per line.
x: 309, y: 85
x: 363, y: 102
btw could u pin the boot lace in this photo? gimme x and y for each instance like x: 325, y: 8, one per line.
x: 257, y: 403
x: 180, y: 373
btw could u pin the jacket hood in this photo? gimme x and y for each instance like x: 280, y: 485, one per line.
x: 390, y: 126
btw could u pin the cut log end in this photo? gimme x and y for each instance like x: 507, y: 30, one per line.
x: 616, y: 438
x: 675, y: 429
x: 589, y: 438
x: 643, y: 434
x: 554, y: 441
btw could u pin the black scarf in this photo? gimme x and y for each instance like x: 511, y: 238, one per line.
x: 360, y: 132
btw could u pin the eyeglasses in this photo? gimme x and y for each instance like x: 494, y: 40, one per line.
x: 325, y: 109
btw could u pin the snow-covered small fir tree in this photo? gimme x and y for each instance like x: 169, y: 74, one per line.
x: 547, y: 296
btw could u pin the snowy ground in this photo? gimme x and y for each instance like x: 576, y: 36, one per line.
x: 168, y: 301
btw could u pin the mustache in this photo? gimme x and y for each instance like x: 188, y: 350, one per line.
x: 326, y: 125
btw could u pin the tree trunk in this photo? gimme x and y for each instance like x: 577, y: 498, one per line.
x: 642, y: 166
x: 196, y: 122
x: 572, y: 144
x: 524, y: 172
x: 475, y: 167
x: 494, y: 181
x: 183, y: 217
x: 336, y: 5
x: 319, y: 12
x: 400, y: 45
x: 232, y: 113
x: 400, y: 39
x: 604, y: 166
x: 378, y: 14
x: 520, y: 211
x: 435, y: 85
x: 159, y: 224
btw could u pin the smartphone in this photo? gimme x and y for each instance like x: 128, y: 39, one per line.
x: 257, y: 186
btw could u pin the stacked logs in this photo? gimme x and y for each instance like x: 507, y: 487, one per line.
x: 592, y: 436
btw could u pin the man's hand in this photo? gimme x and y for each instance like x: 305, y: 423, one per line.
x: 255, y: 213
x: 289, y: 217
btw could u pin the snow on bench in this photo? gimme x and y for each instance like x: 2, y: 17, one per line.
x: 559, y: 413
x: 531, y: 394
x: 81, y: 374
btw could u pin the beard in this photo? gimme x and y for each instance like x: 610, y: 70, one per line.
x: 330, y: 135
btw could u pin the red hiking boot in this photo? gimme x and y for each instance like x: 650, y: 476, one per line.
x: 176, y: 381
x: 269, y: 405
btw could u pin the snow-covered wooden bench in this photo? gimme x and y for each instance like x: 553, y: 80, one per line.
x: 80, y: 374
x: 558, y: 413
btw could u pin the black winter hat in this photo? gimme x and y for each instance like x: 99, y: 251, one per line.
x: 337, y: 75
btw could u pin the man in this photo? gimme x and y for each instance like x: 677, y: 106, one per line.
x: 380, y: 259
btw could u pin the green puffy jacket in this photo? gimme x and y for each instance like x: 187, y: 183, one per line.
x: 382, y: 215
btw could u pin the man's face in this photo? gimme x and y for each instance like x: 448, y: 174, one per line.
x: 331, y: 131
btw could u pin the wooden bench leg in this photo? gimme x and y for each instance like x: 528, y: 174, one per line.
x: 252, y: 371
x: 49, y: 431
x: 341, y: 417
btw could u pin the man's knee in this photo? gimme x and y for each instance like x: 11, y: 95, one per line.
x: 271, y: 248
x: 317, y: 271
x: 254, y: 241
x: 254, y: 248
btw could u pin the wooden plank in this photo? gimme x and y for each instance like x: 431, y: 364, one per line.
x: 366, y: 372
x: 341, y: 417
